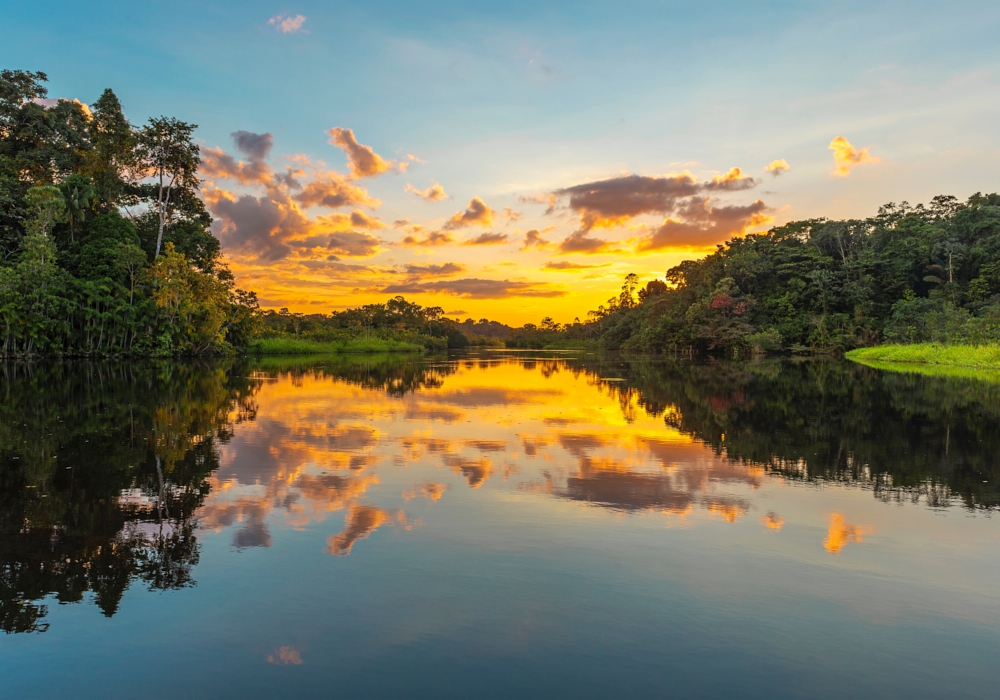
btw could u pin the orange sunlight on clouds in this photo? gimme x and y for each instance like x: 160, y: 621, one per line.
x: 308, y: 237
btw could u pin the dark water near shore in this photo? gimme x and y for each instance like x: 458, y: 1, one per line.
x: 497, y: 524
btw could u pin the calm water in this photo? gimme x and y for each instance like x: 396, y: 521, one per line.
x: 497, y: 524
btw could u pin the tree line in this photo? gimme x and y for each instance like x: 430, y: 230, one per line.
x: 908, y: 274
x: 105, y: 247
x: 396, y: 319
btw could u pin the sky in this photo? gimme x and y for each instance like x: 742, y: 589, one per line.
x: 516, y: 160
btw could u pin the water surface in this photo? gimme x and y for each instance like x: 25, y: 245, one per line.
x: 497, y: 524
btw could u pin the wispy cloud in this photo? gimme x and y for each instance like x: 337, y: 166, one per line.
x: 474, y: 288
x: 487, y: 239
x: 434, y: 193
x: 288, y: 24
x: 549, y: 199
x: 432, y: 239
x: 566, y: 266
x: 435, y: 270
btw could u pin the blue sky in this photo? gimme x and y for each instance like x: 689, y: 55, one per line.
x: 514, y: 99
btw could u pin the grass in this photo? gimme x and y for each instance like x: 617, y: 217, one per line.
x: 973, y: 361
x: 298, y: 346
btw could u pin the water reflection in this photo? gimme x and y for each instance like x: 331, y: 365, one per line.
x: 110, y: 474
x: 102, y: 469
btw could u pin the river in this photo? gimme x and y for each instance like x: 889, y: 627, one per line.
x: 497, y: 524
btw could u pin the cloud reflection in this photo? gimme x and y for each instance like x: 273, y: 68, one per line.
x: 324, y: 441
x: 840, y: 533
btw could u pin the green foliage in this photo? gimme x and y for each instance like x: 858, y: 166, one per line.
x: 396, y: 321
x: 301, y: 346
x: 909, y: 274
x: 975, y: 356
x: 79, y: 278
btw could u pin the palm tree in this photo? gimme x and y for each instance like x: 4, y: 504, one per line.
x: 78, y: 193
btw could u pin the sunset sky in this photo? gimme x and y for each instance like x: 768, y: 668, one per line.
x: 517, y: 160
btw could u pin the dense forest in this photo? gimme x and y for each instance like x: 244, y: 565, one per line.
x: 77, y: 276
x: 909, y: 274
x: 106, y: 249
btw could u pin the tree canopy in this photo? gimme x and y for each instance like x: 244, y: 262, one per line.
x: 105, y: 245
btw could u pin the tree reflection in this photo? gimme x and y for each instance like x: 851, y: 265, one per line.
x: 101, y: 469
x: 901, y: 435
x: 396, y: 375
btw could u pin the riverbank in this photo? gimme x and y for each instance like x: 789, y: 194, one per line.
x: 358, y: 346
x: 983, y: 357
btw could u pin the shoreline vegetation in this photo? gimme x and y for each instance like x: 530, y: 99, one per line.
x: 930, y: 356
x: 107, y: 250
x: 301, y: 346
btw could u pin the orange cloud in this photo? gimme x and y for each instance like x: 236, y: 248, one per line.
x: 333, y: 190
x: 581, y: 242
x: 478, y: 213
x: 434, y: 193
x: 347, y: 243
x: 219, y: 165
x: 361, y: 159
x: 259, y: 227
x: 345, y: 222
x: 474, y: 288
x: 615, y: 202
x: 564, y: 265
x: 776, y: 167
x: 840, y: 533
x: 846, y: 156
x: 607, y: 203
x: 733, y: 179
x: 533, y: 239
x: 701, y: 224
x: 487, y: 239
x: 443, y: 270
x: 432, y: 239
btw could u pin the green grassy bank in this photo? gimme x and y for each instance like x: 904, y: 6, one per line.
x: 297, y: 346
x: 979, y: 357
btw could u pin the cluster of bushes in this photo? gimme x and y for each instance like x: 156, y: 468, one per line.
x: 105, y: 246
x: 396, y: 321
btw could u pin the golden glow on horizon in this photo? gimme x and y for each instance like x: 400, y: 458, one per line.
x: 311, y: 239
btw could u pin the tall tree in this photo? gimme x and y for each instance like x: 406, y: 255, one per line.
x: 113, y: 153
x: 168, y: 154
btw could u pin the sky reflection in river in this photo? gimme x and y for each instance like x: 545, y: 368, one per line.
x: 510, y: 524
